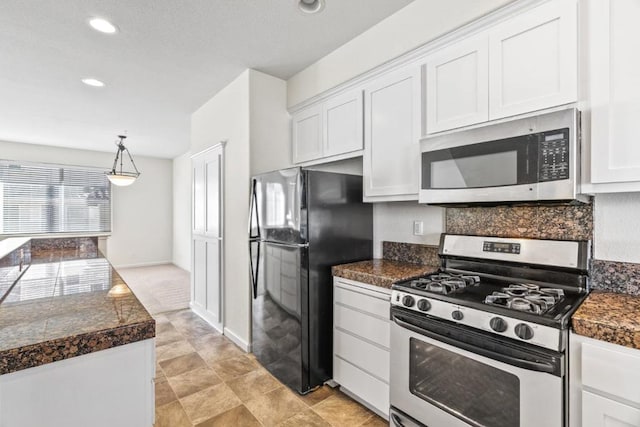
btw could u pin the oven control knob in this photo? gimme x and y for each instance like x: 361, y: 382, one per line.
x: 498, y: 324
x: 424, y: 305
x: 524, y: 331
x: 407, y: 300
x: 457, y: 315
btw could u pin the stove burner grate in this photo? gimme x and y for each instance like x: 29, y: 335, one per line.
x: 526, y: 297
x: 445, y: 283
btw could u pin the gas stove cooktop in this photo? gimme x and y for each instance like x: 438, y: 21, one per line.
x: 524, y: 297
x: 524, y: 289
x: 541, y: 304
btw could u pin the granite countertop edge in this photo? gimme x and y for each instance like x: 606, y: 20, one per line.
x: 38, y: 354
x: 381, y: 272
x: 609, y: 317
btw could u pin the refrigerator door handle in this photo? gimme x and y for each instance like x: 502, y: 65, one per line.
x: 254, y: 274
x: 253, y: 210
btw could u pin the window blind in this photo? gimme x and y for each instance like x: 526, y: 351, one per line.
x: 46, y: 198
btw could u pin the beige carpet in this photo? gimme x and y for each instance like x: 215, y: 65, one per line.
x: 160, y: 288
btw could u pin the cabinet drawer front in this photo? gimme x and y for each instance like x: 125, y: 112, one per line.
x: 367, y: 356
x: 611, y: 370
x: 366, y: 387
x: 369, y: 304
x: 369, y: 327
x: 598, y: 411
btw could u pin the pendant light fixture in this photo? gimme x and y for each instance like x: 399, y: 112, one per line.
x: 118, y: 176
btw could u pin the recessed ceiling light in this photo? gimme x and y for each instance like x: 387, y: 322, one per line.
x: 93, y: 82
x: 102, y: 25
x: 310, y: 6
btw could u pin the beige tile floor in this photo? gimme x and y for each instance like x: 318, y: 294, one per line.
x: 204, y: 380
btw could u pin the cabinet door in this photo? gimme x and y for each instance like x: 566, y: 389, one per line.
x: 343, y: 123
x: 199, y: 195
x: 213, y: 279
x: 392, y: 128
x: 457, y: 89
x: 533, y: 60
x: 307, y: 134
x: 615, y: 90
x: 598, y: 411
x: 213, y: 180
x: 199, y: 272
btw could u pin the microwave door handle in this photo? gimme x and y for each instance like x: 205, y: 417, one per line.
x: 538, y: 366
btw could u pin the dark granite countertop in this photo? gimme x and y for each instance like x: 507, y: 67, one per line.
x: 64, y: 307
x: 610, y: 317
x: 381, y: 272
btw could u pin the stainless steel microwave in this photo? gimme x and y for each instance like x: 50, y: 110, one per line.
x: 533, y: 159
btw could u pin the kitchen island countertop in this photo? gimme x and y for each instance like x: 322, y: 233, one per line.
x: 381, y: 272
x: 610, y: 317
x: 62, y: 308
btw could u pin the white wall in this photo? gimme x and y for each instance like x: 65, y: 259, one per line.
x: 410, y: 27
x: 182, y: 211
x: 269, y: 123
x: 226, y: 117
x: 142, y: 212
x: 617, y: 227
x: 394, y: 222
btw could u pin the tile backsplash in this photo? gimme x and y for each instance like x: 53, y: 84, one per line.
x: 410, y: 252
x: 620, y: 277
x: 560, y: 222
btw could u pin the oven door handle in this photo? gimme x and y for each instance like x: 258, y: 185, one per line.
x: 537, y: 366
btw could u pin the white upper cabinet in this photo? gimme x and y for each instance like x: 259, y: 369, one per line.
x: 307, y: 134
x: 329, y: 129
x: 392, y: 105
x: 533, y: 60
x: 457, y: 89
x: 614, y: 88
x: 343, y: 123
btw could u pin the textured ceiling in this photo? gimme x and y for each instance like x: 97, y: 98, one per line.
x: 169, y: 57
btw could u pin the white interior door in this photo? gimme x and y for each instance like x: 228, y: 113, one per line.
x: 207, y: 294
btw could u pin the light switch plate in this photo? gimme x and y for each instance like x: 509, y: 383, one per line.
x: 418, y: 228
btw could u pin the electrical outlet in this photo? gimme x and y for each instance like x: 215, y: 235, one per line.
x: 418, y: 228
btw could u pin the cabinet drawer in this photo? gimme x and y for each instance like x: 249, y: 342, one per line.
x: 352, y: 298
x: 366, y: 387
x: 362, y: 354
x: 598, y: 411
x: 612, y: 370
x: 369, y: 327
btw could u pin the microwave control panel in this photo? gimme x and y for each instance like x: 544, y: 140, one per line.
x: 553, y: 155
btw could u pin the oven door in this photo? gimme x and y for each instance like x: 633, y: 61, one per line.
x: 445, y: 375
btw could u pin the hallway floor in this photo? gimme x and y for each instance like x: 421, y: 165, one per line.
x: 204, y: 380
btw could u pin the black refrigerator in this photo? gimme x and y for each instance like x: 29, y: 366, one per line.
x: 301, y: 223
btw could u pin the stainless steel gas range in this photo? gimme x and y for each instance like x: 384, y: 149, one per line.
x: 484, y: 341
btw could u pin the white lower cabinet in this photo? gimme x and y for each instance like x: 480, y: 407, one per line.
x: 598, y: 411
x: 361, y: 330
x: 112, y: 387
x: 604, y: 384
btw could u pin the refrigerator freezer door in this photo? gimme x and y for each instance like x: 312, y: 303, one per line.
x: 280, y: 312
x: 279, y: 207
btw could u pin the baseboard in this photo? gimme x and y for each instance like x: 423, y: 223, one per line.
x: 237, y: 340
x: 142, y: 264
x: 206, y: 316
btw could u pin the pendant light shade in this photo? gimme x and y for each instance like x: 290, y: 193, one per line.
x: 117, y: 175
